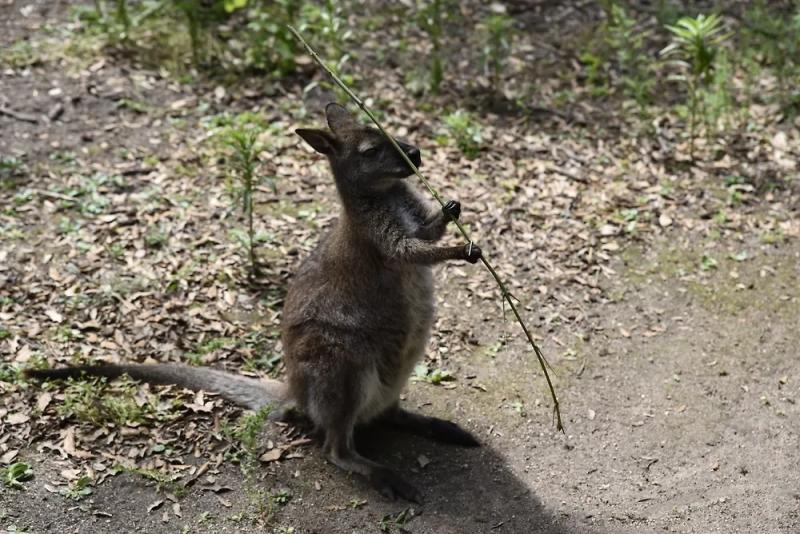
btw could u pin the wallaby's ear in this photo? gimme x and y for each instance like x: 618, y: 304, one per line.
x: 339, y: 118
x: 320, y: 140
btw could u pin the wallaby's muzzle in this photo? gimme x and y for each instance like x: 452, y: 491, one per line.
x: 413, y: 154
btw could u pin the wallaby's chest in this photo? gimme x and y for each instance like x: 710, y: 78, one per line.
x: 407, y: 219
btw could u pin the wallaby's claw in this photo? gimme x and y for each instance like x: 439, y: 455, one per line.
x: 392, y: 486
x: 472, y: 252
x: 452, y: 209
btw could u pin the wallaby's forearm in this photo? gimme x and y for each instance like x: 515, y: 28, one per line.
x: 412, y: 250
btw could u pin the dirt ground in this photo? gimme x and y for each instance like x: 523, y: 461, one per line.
x: 693, y: 429
x: 679, y: 381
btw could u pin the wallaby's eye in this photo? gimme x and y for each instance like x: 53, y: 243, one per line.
x: 371, y: 151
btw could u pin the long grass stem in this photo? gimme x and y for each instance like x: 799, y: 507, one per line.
x: 503, y: 289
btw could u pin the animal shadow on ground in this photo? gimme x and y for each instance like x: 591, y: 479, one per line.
x: 463, y: 489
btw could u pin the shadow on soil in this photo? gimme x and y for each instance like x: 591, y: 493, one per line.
x: 464, y: 489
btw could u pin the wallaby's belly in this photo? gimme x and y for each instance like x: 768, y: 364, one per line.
x: 381, y: 387
x: 366, y: 326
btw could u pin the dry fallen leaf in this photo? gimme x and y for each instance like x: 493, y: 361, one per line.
x: 70, y: 474
x: 69, y: 445
x: 271, y: 455
x: 17, y: 418
x: 53, y: 315
x: 43, y: 401
x: 9, y: 456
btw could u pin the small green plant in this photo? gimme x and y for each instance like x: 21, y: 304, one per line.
x: 245, y: 151
x: 399, y: 520
x: 774, y: 39
x: 164, y: 482
x: 718, y: 101
x: 707, y: 263
x: 281, y: 497
x: 465, y: 131
x: 22, y: 53
x: 270, y: 46
x: 695, y: 43
x: 328, y: 22
x: 213, y: 30
x: 431, y: 18
x: 618, y: 43
x: 247, y: 429
x: 15, y: 474
x: 519, y: 407
x: 263, y: 362
x: 433, y: 376
x: 95, y: 402
x: 91, y: 193
x: 9, y: 373
x: 112, y: 16
x: 356, y: 503
x: 155, y: 238
x: 78, y: 489
x: 9, y: 166
x: 626, y: 39
x: 116, y: 250
x: 497, y: 34
x: 596, y: 77
x: 245, y: 435
x: 121, y: 16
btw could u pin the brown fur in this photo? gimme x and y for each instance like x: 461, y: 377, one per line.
x: 358, y: 313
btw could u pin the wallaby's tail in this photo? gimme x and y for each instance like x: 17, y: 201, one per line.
x: 246, y: 392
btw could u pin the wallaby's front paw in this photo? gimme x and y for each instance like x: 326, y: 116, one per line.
x: 472, y: 252
x: 452, y: 209
x: 392, y: 486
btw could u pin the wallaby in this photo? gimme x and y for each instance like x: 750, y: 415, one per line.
x: 358, y: 313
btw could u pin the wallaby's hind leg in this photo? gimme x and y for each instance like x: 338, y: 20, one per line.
x: 341, y: 452
x: 431, y: 427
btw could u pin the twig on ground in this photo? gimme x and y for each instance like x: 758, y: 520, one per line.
x: 568, y: 174
x: 54, y: 195
x: 503, y: 290
x: 17, y: 115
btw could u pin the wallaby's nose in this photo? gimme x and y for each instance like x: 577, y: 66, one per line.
x: 414, y: 155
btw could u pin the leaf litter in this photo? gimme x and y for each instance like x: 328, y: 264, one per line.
x: 123, y: 250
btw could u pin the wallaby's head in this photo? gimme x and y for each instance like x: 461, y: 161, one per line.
x: 360, y: 156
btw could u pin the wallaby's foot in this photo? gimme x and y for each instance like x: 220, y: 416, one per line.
x: 288, y: 413
x: 391, y: 485
x: 340, y: 451
x: 472, y: 252
x: 431, y: 427
x: 452, y: 209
